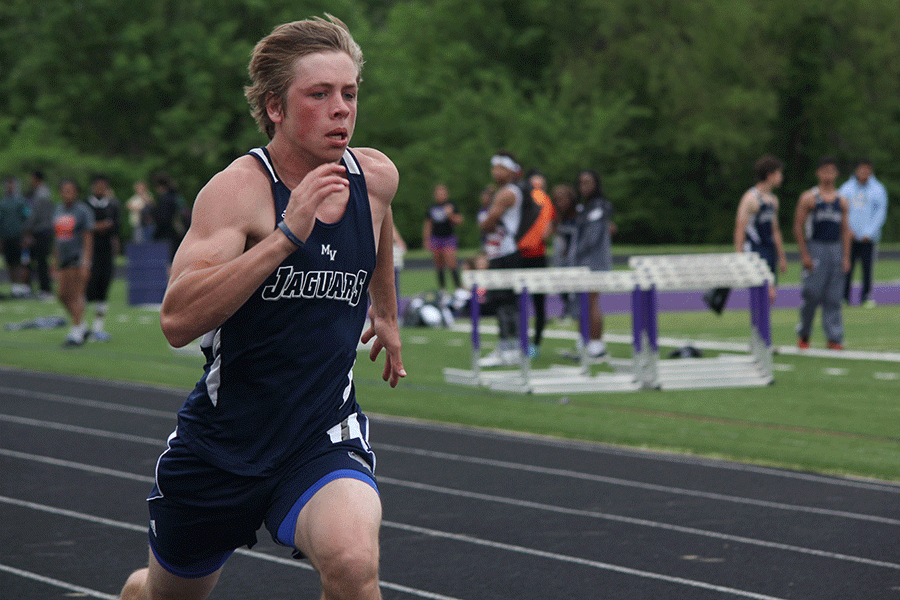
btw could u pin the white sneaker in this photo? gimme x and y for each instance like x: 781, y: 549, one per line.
x: 500, y: 356
x: 491, y: 359
x: 596, y: 348
x: 511, y: 357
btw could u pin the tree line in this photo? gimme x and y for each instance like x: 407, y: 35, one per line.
x: 671, y: 101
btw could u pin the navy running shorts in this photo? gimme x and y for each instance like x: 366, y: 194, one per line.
x: 199, y: 514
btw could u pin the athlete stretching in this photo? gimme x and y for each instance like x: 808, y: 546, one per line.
x: 274, y: 271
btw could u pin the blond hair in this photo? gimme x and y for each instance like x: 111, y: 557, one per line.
x: 272, y: 65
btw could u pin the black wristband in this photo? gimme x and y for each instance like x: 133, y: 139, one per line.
x: 289, y: 234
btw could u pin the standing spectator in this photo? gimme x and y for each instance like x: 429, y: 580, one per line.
x: 756, y: 226
x: 168, y: 213
x: 39, y: 232
x: 564, y: 205
x: 439, y: 235
x: 73, y: 225
x: 139, y: 206
x: 107, y: 244
x: 501, y: 224
x: 823, y: 238
x: 867, y: 212
x: 593, y: 247
x: 533, y: 248
x: 13, y: 216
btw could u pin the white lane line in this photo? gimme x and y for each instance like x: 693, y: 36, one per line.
x: 74, y: 589
x: 511, y: 502
x: 143, y: 528
x: 76, y: 401
x: 638, y: 522
x: 595, y: 447
x: 496, y: 463
x: 432, y: 533
x: 124, y: 437
x: 636, y: 484
x: 583, y: 561
x: 608, y: 449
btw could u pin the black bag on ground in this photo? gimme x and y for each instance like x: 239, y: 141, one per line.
x: 716, y: 299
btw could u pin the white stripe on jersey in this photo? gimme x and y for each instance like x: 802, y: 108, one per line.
x: 213, y: 341
x: 262, y: 156
x: 352, y: 165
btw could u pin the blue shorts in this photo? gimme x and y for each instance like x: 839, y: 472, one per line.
x: 199, y: 514
x: 443, y: 242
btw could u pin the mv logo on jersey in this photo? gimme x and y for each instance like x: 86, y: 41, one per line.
x: 332, y: 285
x: 326, y: 250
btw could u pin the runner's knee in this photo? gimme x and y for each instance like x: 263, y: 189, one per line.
x: 135, y: 586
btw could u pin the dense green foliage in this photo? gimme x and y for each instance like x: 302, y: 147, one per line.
x: 672, y: 101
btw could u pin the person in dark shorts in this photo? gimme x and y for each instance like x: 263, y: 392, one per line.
x: 107, y: 242
x: 439, y: 235
x: 756, y: 227
x: 592, y: 247
x: 73, y: 226
x: 286, y: 247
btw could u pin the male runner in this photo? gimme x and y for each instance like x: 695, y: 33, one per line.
x: 284, y: 245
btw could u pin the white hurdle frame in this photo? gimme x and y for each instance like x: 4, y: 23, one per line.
x: 703, y: 271
x: 544, y: 280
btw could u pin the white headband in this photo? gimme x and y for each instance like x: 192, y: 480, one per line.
x: 505, y: 162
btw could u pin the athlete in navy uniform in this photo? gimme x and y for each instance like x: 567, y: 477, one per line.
x: 823, y: 239
x: 756, y: 227
x: 286, y: 246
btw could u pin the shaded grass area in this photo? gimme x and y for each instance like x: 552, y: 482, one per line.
x: 823, y: 414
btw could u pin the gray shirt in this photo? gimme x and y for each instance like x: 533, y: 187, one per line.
x: 592, y: 246
x: 42, y: 211
x: 69, y: 224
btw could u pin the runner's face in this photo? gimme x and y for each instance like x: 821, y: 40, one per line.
x: 863, y: 172
x: 827, y: 174
x: 320, y: 106
x: 68, y: 192
x: 586, y: 184
x: 776, y: 178
x: 501, y: 175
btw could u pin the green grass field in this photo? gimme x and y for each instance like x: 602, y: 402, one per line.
x: 831, y: 415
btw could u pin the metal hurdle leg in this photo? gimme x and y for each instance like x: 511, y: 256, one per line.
x: 584, y: 325
x: 761, y: 328
x: 644, y: 330
x: 638, y: 340
x: 525, y: 357
x: 475, y: 314
x: 472, y: 377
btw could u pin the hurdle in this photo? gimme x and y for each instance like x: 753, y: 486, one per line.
x: 557, y: 378
x: 700, y: 272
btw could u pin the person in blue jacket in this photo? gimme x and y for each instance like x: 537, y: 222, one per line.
x: 868, y: 210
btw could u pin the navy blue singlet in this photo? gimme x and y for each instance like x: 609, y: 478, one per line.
x: 279, y: 371
x: 759, y: 231
x: 825, y: 220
